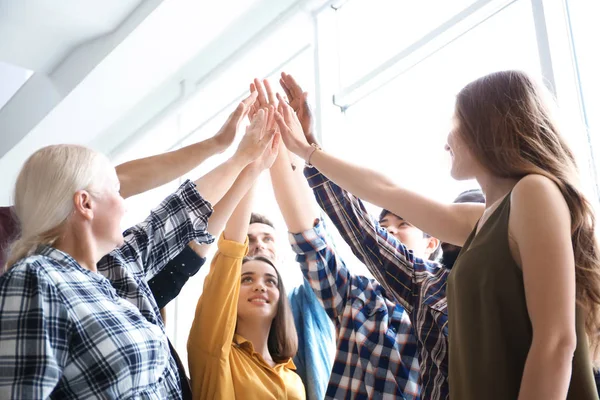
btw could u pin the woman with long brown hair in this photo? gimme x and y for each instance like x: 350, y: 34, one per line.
x: 243, y: 336
x: 524, y: 294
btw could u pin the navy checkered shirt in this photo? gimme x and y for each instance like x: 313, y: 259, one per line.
x: 376, y: 356
x: 418, y: 285
x: 69, y: 333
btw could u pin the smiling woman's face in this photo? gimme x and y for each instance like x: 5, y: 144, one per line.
x: 259, y: 292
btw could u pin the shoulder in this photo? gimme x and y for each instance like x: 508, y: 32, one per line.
x: 535, y: 188
x: 537, y: 194
x: 31, y: 273
x: 538, y: 209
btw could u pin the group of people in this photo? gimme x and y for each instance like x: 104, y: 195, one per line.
x: 495, y: 296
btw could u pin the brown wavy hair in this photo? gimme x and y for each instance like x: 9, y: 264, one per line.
x: 507, y: 119
x: 283, y: 338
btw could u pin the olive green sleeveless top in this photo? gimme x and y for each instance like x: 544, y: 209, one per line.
x: 489, y: 328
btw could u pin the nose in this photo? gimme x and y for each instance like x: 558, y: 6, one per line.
x: 259, y: 287
x: 391, y: 230
x: 446, y: 147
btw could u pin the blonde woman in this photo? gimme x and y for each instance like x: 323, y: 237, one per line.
x: 68, y: 332
x: 243, y: 336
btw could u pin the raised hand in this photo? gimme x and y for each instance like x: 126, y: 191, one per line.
x: 228, y: 131
x: 291, y: 130
x: 299, y: 102
x: 266, y: 160
x: 257, y: 137
x: 265, y: 97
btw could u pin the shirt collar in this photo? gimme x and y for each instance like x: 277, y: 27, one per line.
x: 247, y: 345
x: 63, y: 259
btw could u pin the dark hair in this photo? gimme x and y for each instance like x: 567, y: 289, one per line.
x: 433, y: 256
x: 256, y: 218
x: 283, y: 338
x: 470, y: 196
x: 507, y: 122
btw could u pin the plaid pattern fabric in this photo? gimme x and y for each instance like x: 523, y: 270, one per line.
x: 419, y: 286
x: 69, y: 333
x: 376, y: 355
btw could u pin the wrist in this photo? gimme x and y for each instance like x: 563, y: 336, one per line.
x: 253, y: 170
x: 239, y: 161
x: 217, y: 146
x: 314, y: 147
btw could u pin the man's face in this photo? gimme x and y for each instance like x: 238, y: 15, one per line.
x: 261, y: 241
x: 408, y: 234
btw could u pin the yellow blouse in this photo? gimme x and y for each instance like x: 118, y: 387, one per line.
x: 224, y: 365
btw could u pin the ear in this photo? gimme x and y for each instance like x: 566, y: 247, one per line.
x: 83, y: 204
x: 432, y: 245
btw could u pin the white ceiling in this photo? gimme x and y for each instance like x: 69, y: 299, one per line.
x: 38, y: 34
x: 92, y: 74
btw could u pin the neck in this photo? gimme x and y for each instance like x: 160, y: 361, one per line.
x: 257, y: 332
x: 81, y: 247
x: 495, y: 188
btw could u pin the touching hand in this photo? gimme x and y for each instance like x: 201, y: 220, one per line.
x: 299, y: 103
x: 266, y: 160
x: 265, y: 98
x: 257, y: 137
x: 228, y: 131
x: 291, y: 130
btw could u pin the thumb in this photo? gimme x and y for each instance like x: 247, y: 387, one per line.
x: 240, y: 112
x: 276, y: 142
x: 281, y: 122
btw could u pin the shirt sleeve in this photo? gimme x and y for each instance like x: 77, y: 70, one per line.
x: 167, y: 284
x: 150, y: 245
x: 34, y: 334
x: 386, y: 257
x: 323, y: 268
x: 213, y: 328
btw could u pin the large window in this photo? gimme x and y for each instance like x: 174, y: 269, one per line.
x: 585, y: 31
x: 401, y: 128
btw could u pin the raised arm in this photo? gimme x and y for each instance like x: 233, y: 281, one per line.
x: 385, y: 257
x: 214, y: 323
x: 213, y: 328
x: 183, y: 216
x: 141, y: 175
x: 217, y: 182
x: 321, y: 266
x: 451, y: 223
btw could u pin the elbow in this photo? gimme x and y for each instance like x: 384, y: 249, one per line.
x: 558, y: 346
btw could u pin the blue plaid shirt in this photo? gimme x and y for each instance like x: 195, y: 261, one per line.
x: 69, y: 333
x: 419, y: 285
x: 376, y: 353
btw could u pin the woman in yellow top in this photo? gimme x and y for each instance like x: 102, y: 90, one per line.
x: 243, y: 336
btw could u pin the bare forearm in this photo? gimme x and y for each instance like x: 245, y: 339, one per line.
x: 450, y: 223
x: 547, y: 373
x: 141, y: 175
x: 294, y: 197
x: 224, y: 208
x: 236, y: 228
x: 217, y: 182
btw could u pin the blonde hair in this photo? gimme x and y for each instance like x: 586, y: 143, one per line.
x: 43, y: 197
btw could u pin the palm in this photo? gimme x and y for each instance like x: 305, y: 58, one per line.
x: 298, y: 100
x: 226, y: 135
x: 268, y: 157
